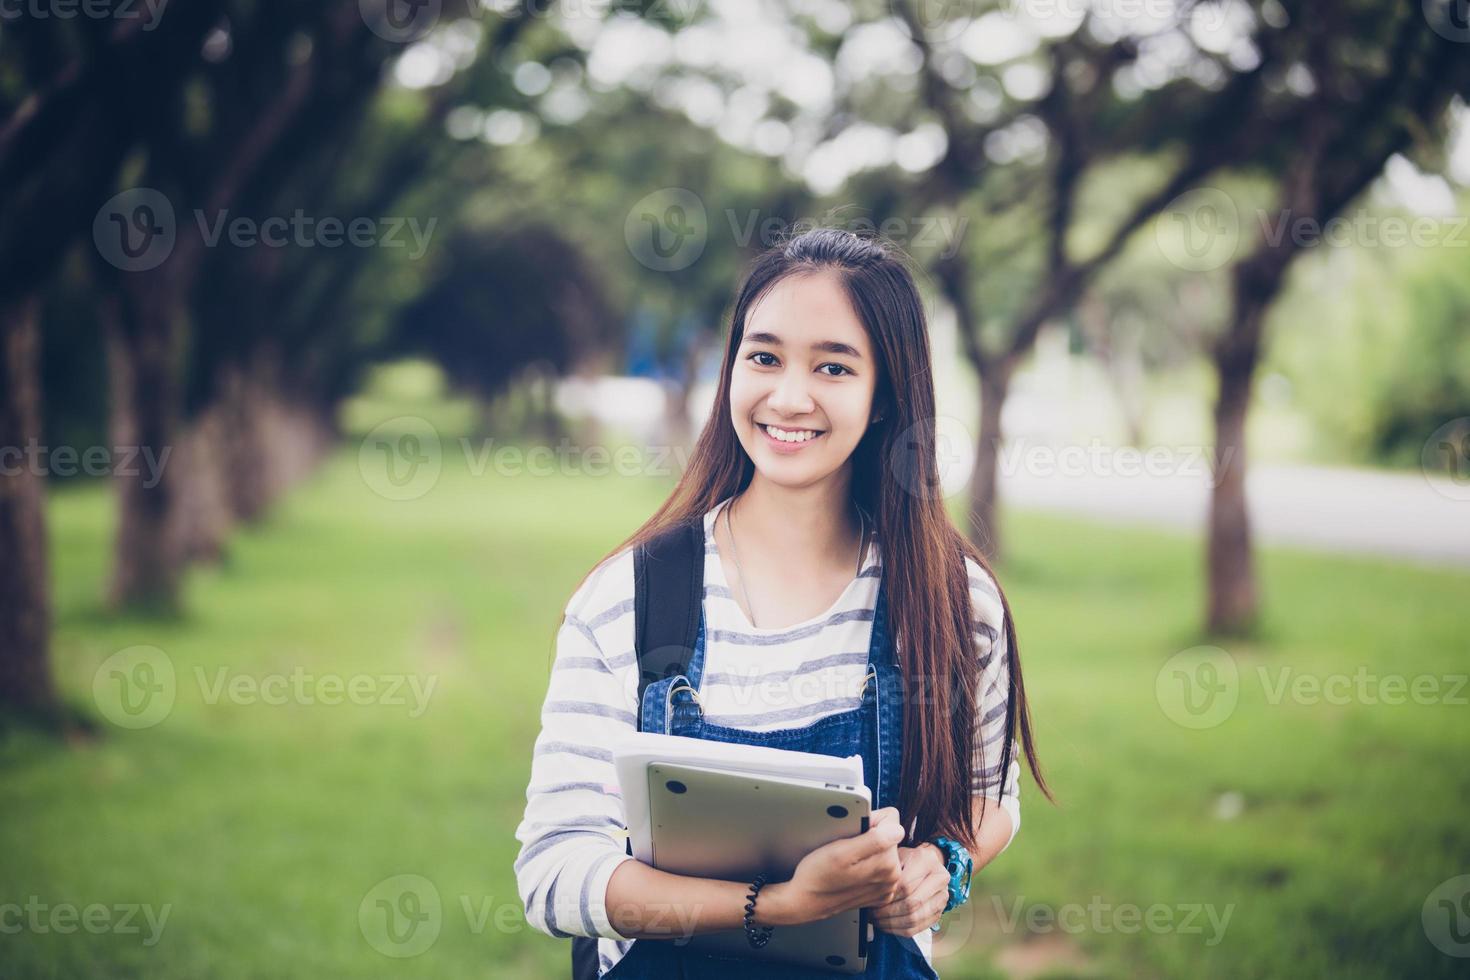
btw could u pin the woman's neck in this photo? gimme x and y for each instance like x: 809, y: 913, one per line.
x: 804, y: 528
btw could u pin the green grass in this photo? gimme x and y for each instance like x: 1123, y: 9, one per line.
x: 263, y: 828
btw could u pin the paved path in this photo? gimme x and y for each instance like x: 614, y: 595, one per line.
x: 1401, y: 515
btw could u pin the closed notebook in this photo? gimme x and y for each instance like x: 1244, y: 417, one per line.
x: 729, y: 811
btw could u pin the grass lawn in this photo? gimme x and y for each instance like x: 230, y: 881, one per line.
x: 1297, y: 837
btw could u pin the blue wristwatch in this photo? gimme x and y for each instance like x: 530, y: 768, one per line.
x: 957, y: 862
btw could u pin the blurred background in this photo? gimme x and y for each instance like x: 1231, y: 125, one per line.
x: 342, y: 337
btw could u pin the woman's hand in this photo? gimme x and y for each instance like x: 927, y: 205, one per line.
x: 852, y: 873
x: 923, y: 892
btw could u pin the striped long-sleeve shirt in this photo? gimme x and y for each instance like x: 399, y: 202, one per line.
x: 574, y: 830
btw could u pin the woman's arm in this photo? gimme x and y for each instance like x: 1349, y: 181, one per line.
x: 852, y: 872
x: 572, y: 834
x: 993, y: 833
x: 646, y: 903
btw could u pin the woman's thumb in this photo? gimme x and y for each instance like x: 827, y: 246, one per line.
x: 882, y: 816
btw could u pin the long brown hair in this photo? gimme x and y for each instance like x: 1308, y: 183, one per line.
x: 895, y: 478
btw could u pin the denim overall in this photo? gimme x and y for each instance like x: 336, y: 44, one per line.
x: 874, y: 730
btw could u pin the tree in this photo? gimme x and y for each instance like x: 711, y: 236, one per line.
x: 1331, y: 147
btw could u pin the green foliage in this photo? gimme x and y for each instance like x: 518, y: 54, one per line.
x: 265, y: 826
x: 1377, y: 343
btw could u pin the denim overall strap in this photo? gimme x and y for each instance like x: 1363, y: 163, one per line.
x: 874, y: 729
x: 886, y: 719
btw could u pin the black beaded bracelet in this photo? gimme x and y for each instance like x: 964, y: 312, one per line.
x: 757, y: 939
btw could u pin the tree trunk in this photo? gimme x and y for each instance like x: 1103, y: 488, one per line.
x: 26, y: 685
x: 202, y: 507
x: 248, y: 452
x: 142, y: 316
x: 1231, y: 568
x: 995, y: 381
x: 1232, y: 580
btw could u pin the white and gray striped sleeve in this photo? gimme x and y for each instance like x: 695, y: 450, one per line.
x: 993, y: 654
x: 569, y: 842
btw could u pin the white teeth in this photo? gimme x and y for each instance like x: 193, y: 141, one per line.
x: 798, y: 435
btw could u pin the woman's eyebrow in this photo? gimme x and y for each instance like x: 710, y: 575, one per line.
x: 826, y: 346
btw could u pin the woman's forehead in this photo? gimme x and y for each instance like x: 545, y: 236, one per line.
x: 808, y: 312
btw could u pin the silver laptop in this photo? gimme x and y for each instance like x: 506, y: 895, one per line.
x: 724, y: 823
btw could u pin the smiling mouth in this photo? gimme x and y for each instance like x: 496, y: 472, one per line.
x: 790, y: 436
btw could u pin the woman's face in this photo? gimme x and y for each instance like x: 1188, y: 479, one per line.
x: 805, y: 366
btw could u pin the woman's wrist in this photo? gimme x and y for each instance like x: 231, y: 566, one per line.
x: 777, y: 906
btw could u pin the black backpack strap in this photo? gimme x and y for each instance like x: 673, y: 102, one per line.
x: 584, y: 958
x: 668, y: 591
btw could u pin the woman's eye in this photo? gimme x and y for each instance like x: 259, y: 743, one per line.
x: 841, y: 368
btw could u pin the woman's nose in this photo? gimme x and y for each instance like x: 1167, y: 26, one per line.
x: 790, y: 396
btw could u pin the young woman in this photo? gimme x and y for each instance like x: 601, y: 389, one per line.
x: 835, y: 582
